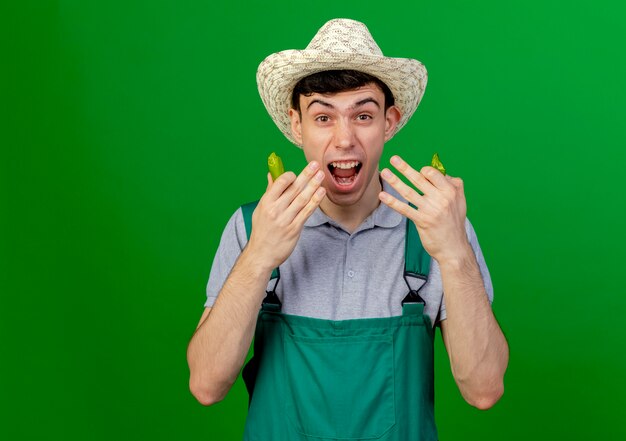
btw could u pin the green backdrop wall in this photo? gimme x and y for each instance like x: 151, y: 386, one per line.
x: 132, y: 130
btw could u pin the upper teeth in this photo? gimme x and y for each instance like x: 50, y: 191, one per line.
x: 345, y: 164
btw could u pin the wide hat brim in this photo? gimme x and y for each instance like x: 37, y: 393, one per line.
x: 278, y: 74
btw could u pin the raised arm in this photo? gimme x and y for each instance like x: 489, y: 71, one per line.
x: 476, y: 346
x: 221, y: 342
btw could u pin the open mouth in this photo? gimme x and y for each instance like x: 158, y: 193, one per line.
x: 344, y: 173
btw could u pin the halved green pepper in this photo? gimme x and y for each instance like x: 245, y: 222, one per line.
x: 436, y: 163
x: 275, y: 165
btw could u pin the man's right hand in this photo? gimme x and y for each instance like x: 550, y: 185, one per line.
x: 281, y: 213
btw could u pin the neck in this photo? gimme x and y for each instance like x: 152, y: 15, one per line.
x: 351, y: 216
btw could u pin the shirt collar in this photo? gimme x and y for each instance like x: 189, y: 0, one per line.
x: 382, y: 216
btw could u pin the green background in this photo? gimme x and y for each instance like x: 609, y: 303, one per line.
x: 132, y: 130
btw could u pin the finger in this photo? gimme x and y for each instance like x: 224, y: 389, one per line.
x: 281, y: 184
x: 303, y: 198
x: 457, y: 182
x: 407, y: 192
x: 310, y: 207
x: 420, y: 182
x: 300, y: 183
x: 270, y: 181
x: 435, y: 177
x: 401, y: 207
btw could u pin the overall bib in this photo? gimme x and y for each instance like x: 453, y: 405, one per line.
x: 362, y: 379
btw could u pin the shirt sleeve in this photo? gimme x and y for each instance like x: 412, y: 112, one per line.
x: 233, y: 241
x: 482, y: 265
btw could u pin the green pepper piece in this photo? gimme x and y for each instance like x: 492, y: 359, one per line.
x: 275, y: 165
x: 436, y: 163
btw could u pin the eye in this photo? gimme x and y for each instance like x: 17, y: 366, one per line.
x: 322, y: 118
x: 364, y: 117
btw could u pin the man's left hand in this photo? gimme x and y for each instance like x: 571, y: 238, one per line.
x: 441, y: 209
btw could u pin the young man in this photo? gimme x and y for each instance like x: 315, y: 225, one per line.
x: 344, y: 338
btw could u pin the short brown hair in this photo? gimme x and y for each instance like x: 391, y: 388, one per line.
x: 334, y: 81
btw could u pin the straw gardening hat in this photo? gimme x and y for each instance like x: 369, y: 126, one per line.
x: 340, y: 44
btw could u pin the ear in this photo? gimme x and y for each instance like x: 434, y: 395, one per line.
x: 296, y: 125
x: 392, y: 117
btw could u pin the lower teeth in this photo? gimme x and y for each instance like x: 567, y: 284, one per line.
x: 346, y: 181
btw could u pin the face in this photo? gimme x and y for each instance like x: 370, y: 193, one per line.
x: 345, y: 132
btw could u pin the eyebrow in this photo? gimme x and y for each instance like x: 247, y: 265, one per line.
x: 354, y: 106
x: 365, y: 101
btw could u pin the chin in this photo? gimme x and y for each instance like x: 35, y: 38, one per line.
x: 344, y: 199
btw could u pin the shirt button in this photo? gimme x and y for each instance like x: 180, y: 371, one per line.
x: 350, y: 273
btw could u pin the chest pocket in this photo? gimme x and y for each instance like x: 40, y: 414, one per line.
x: 341, y: 387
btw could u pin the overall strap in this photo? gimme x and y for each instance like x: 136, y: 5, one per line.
x: 271, y: 299
x: 416, y: 261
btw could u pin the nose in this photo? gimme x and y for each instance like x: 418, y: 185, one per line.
x: 344, y: 135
